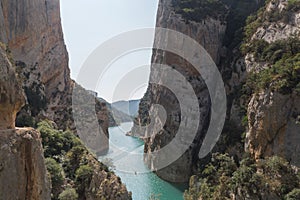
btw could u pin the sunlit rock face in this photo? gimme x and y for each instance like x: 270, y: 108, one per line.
x: 23, y: 173
x: 11, y: 93
x: 32, y: 32
x: 274, y: 117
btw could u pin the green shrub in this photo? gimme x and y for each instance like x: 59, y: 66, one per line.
x: 197, y: 10
x: 25, y: 120
x: 56, y: 143
x: 293, y: 195
x: 68, y: 194
x: 57, y: 177
x: 83, y: 178
x: 74, y: 158
x: 283, y: 76
x: 222, y: 177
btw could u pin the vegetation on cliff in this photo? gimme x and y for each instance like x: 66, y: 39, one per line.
x: 224, y: 178
x: 271, y: 64
x: 264, y: 17
x: 282, y: 72
x: 198, y: 10
x: 74, y: 169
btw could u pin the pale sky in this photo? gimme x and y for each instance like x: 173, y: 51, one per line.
x: 89, y: 23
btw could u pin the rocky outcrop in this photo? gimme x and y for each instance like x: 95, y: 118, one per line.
x: 274, y: 126
x: 22, y: 169
x: 33, y: 33
x: 11, y: 94
x: 105, y: 184
x: 274, y: 115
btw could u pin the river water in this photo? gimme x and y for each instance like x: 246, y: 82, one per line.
x: 125, y: 157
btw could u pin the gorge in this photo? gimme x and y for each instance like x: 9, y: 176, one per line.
x: 44, y: 154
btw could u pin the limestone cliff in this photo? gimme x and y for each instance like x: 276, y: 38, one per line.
x: 23, y: 173
x: 33, y: 34
x: 32, y: 30
x: 34, y: 61
x: 209, y: 33
x: 213, y: 24
x: 273, y: 111
x: 274, y: 126
x: 22, y: 169
x: 264, y: 89
x: 12, y: 96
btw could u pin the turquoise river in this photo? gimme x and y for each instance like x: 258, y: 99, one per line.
x: 125, y: 157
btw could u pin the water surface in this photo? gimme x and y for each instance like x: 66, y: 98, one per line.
x: 126, y: 154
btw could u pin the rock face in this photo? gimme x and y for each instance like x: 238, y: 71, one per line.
x: 22, y: 169
x: 221, y: 37
x: 32, y: 46
x: 262, y: 83
x: 209, y: 33
x: 33, y: 33
x: 274, y: 117
x: 105, y: 185
x: 274, y: 126
x: 11, y: 93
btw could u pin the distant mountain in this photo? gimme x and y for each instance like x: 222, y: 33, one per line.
x: 130, y: 107
x: 115, y: 115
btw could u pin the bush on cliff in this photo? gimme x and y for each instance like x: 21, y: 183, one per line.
x: 56, y: 174
x: 222, y: 178
x: 68, y: 194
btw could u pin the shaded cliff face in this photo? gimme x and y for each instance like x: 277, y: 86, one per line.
x: 209, y: 33
x: 217, y: 32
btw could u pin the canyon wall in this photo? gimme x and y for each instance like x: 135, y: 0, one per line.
x: 23, y: 173
x: 255, y: 45
x: 32, y: 32
x: 35, y: 77
x: 273, y: 110
x: 213, y: 26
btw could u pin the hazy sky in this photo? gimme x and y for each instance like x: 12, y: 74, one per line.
x: 88, y: 23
